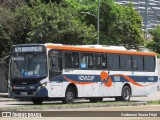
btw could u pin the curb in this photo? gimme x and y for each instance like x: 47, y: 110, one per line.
x: 4, y: 95
x: 68, y: 106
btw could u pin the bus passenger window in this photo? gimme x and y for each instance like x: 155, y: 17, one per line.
x: 149, y: 63
x: 135, y: 67
x: 113, y: 62
x: 83, y: 60
x: 90, y: 61
x: 75, y: 60
x: 97, y: 61
x: 125, y: 62
x: 68, y: 60
x: 138, y: 63
x: 104, y: 61
x: 86, y: 60
x: 71, y: 60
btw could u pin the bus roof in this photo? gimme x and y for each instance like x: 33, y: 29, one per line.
x: 97, y: 48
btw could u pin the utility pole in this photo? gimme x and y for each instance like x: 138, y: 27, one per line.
x: 98, y: 22
x: 146, y: 20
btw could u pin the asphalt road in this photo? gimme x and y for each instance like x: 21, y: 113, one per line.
x: 7, y: 102
x: 17, y: 104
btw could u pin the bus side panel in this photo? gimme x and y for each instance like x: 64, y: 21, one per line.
x: 55, y: 90
x: 118, y: 88
x: 151, y: 89
x: 139, y: 90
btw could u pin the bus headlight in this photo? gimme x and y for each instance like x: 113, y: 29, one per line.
x: 42, y: 86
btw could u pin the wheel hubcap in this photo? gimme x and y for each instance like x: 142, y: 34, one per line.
x: 70, y: 96
x: 126, y: 94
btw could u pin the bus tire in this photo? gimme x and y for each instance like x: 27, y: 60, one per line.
x: 37, y: 101
x: 93, y: 100
x: 69, y: 96
x: 125, y: 95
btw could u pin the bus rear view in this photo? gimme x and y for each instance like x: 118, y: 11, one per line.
x: 28, y: 68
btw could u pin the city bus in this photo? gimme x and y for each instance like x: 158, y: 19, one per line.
x: 50, y: 71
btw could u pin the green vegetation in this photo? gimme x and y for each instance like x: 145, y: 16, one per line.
x: 153, y: 102
x: 74, y: 105
x: 155, y: 44
x: 67, y: 22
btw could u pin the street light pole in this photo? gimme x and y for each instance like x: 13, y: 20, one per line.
x: 98, y: 14
x: 146, y: 20
x: 98, y: 22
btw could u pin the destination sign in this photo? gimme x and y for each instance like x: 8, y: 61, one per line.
x: 28, y: 49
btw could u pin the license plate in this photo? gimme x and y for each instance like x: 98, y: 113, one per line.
x: 24, y: 93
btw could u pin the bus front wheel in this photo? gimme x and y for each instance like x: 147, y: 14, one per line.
x: 69, y: 96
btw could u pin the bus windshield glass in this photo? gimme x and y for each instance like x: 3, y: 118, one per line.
x: 28, y: 65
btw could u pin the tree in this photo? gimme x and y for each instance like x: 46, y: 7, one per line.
x: 54, y: 23
x: 39, y: 22
x: 9, y: 28
x: 119, y: 24
x: 155, y: 44
x: 67, y: 22
x: 6, y: 30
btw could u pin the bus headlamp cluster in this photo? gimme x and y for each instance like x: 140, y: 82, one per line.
x: 42, y: 86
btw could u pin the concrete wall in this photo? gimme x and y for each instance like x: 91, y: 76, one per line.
x: 3, y: 81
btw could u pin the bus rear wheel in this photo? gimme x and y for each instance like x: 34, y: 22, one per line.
x: 125, y: 95
x: 69, y: 96
x: 37, y: 101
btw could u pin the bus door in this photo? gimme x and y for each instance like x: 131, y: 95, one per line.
x: 55, y: 71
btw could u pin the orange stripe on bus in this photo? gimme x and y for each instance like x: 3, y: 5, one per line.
x: 131, y: 80
x: 76, y: 48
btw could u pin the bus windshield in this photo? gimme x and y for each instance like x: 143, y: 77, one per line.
x: 28, y: 65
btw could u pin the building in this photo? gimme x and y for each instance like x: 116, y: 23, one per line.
x: 148, y: 9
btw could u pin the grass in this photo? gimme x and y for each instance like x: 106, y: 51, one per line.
x: 59, y: 105
x: 153, y: 102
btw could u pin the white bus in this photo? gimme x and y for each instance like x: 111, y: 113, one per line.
x: 64, y: 72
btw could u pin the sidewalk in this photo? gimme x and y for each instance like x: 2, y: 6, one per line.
x: 4, y: 95
x: 4, y: 98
